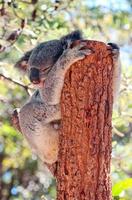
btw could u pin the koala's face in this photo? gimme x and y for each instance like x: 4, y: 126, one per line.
x: 42, y: 59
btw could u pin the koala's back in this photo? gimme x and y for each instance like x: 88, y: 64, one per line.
x: 46, y: 53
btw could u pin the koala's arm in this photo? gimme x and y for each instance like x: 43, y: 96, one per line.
x: 51, y: 92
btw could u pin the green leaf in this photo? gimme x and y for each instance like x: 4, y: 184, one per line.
x: 121, y: 186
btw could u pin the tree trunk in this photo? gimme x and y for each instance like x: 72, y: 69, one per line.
x: 83, y: 171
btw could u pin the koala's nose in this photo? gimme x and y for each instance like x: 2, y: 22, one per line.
x: 34, y: 76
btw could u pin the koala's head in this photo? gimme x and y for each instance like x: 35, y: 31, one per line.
x: 42, y: 59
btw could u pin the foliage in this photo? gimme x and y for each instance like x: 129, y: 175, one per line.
x: 121, y: 186
x: 24, y: 24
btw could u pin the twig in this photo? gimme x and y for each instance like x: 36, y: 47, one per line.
x: 117, y: 132
x: 26, y: 87
x: 4, y: 48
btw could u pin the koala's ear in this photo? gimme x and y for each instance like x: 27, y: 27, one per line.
x: 22, y: 63
x: 67, y: 40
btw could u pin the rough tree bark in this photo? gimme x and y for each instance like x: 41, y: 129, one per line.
x: 83, y: 170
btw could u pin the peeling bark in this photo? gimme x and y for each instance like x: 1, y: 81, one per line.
x: 83, y: 170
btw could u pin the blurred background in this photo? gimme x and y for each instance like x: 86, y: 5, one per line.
x: 25, y: 23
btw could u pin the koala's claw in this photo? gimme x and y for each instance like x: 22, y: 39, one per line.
x: 81, y: 51
x: 74, y: 54
x: 85, y: 52
x: 113, y: 45
x: 81, y: 45
x: 15, y: 119
x: 115, y: 50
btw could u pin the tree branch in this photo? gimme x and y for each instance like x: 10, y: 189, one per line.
x: 83, y: 170
x: 25, y: 87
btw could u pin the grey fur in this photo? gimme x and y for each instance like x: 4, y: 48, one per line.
x: 47, y: 53
x: 37, y: 117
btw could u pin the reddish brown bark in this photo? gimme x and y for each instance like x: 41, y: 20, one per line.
x: 83, y: 171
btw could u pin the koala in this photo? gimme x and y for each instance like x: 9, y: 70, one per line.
x: 40, y: 117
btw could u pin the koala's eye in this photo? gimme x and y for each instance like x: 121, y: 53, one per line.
x: 44, y: 69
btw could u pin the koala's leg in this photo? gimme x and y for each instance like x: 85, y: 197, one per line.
x: 117, y: 70
x: 36, y: 124
x: 51, y: 92
x: 34, y: 113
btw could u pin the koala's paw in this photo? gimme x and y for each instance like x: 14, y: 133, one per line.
x: 77, y: 53
x: 15, y: 120
x: 115, y: 51
x: 56, y: 124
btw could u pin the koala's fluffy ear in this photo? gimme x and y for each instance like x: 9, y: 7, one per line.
x: 22, y: 64
x: 71, y: 37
